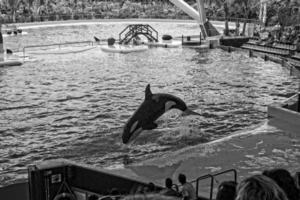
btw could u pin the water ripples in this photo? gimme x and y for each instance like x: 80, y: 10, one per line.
x: 75, y: 105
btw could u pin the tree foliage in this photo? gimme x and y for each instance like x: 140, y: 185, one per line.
x: 285, y: 12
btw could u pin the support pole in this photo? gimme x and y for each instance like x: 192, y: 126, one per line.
x: 298, y: 102
x: 1, y: 45
x: 202, y: 16
x: 1, y: 40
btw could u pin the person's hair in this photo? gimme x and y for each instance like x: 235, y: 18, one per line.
x: 148, y: 197
x: 182, y: 178
x: 259, y: 187
x: 226, y: 190
x: 114, y: 191
x: 168, y: 183
x: 284, y: 179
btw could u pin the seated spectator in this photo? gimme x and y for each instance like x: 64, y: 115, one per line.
x: 150, y: 188
x: 270, y: 39
x: 188, y: 192
x: 259, y: 187
x: 284, y: 180
x: 169, y: 191
x: 138, y: 190
x: 226, y: 190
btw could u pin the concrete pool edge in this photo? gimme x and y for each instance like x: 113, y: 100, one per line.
x: 29, y: 25
x: 284, y: 115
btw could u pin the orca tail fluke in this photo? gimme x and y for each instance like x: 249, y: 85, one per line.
x: 189, y: 112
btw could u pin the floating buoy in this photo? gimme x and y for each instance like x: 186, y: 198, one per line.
x: 167, y: 37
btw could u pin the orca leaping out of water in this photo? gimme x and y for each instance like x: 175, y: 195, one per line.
x: 150, y: 110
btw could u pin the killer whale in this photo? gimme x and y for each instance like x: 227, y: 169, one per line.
x: 153, y: 106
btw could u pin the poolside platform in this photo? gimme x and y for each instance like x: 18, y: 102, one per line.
x: 286, y: 115
x: 9, y: 61
x: 234, y: 41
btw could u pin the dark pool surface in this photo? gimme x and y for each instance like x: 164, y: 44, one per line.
x: 74, y: 106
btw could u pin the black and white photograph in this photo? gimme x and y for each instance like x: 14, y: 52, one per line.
x: 149, y: 99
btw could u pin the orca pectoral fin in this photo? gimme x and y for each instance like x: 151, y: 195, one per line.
x: 189, y: 112
x: 150, y: 126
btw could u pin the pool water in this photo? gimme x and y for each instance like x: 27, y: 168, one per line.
x: 74, y: 106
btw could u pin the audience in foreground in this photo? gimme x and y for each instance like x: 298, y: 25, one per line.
x: 285, y: 181
x: 275, y: 184
x: 169, y: 191
x: 188, y: 192
x: 259, y: 187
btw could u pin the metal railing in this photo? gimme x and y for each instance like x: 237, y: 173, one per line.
x: 211, y: 184
x: 235, y: 19
x: 213, y: 180
x: 138, y: 29
x: 59, y: 45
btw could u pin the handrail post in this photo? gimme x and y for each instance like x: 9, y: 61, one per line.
x: 235, y: 175
x: 211, y: 187
x: 200, y: 38
x: 197, y: 186
x: 298, y: 101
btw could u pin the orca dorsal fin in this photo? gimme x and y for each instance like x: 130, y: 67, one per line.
x: 148, y: 93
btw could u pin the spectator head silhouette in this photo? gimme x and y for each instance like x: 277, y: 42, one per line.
x: 259, y: 187
x: 182, y: 178
x: 168, y: 183
x: 226, y: 190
